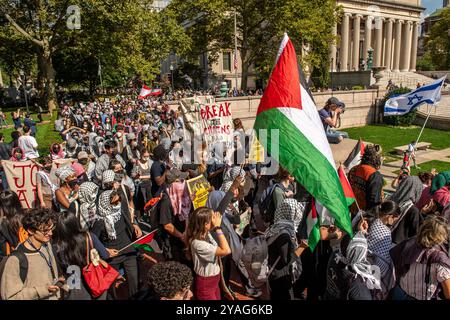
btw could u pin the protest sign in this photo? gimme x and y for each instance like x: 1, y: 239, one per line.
x: 209, y: 118
x: 200, y: 187
x: 21, y: 177
x: 256, y: 151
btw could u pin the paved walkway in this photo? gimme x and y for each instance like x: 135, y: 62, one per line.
x: 387, y: 170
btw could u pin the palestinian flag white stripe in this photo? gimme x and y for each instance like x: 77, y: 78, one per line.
x: 303, y: 148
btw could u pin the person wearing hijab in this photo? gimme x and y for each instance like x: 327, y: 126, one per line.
x: 17, y: 154
x: 71, y: 148
x: 439, y: 181
x: 284, y: 249
x: 116, y: 230
x: 350, y: 275
x: 224, y: 201
x: 87, y: 209
x: 406, y: 195
x: 56, y: 152
x: 379, y: 240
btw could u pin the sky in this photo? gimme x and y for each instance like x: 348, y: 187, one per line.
x: 431, y: 6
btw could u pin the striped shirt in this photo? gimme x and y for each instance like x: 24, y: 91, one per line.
x: 413, y: 282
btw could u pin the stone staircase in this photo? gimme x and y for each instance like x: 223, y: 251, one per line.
x: 405, y: 79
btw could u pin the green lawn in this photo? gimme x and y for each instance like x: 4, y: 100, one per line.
x: 427, y: 166
x: 45, y: 136
x: 390, y: 137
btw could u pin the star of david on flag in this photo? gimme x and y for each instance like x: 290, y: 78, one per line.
x: 402, y: 104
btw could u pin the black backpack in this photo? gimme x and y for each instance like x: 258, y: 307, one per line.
x: 266, y: 204
x: 23, y: 263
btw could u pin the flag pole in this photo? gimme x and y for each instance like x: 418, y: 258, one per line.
x: 428, y: 116
x: 235, y: 50
x: 129, y: 245
x: 423, y: 127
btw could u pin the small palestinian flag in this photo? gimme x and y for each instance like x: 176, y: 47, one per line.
x: 144, y: 242
x: 354, y: 158
x: 348, y: 191
x: 313, y: 226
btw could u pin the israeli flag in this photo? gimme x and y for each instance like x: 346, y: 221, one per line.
x: 405, y: 103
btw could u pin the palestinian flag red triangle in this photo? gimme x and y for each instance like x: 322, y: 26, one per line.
x: 283, y: 89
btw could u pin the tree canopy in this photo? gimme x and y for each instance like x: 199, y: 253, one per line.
x: 438, y: 42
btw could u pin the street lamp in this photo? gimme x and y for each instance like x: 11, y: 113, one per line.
x: 171, y: 75
x: 22, y: 76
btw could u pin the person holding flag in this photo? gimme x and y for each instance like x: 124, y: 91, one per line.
x: 288, y: 109
x: 365, y: 179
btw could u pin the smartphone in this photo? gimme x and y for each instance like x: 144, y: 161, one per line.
x: 59, y: 284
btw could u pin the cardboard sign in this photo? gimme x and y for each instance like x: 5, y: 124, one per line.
x: 200, y: 187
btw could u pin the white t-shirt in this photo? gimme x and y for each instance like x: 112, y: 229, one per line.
x: 29, y: 146
x: 206, y: 263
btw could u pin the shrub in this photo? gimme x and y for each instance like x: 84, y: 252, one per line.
x: 405, y: 120
x: 357, y: 88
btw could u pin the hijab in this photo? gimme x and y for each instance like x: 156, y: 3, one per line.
x: 440, y: 181
x: 214, y: 199
x: 410, y: 189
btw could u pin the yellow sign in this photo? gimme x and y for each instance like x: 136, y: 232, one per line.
x: 200, y: 187
x: 256, y: 151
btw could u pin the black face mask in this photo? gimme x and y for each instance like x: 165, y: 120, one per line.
x: 234, y: 200
x: 83, y: 161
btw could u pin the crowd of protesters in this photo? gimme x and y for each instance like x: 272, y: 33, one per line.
x: 125, y: 155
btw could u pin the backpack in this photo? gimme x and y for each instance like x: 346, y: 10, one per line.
x: 255, y: 258
x: 22, y: 235
x: 266, y: 204
x: 23, y: 263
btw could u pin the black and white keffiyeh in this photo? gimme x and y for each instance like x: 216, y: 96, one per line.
x: 108, y: 176
x: 88, y: 209
x: 356, y: 258
x: 63, y: 173
x: 287, y: 218
x: 379, y: 242
x: 108, y: 213
x: 232, y: 173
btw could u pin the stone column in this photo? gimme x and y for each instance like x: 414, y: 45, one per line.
x: 344, y: 42
x: 415, y: 39
x: 367, y: 36
x: 388, y: 47
x: 398, y: 44
x: 333, y: 52
x: 406, y: 52
x: 356, y: 39
x: 378, y: 42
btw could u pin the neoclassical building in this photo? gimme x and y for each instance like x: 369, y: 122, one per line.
x: 389, y: 27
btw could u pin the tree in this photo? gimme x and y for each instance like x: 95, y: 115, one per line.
x: 260, y: 26
x: 126, y: 36
x: 438, y: 42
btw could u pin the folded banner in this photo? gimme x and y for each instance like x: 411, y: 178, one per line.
x: 405, y: 103
x: 21, y: 177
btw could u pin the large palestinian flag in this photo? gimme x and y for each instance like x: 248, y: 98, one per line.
x: 303, y: 147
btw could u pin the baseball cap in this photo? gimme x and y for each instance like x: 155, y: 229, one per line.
x: 336, y: 101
